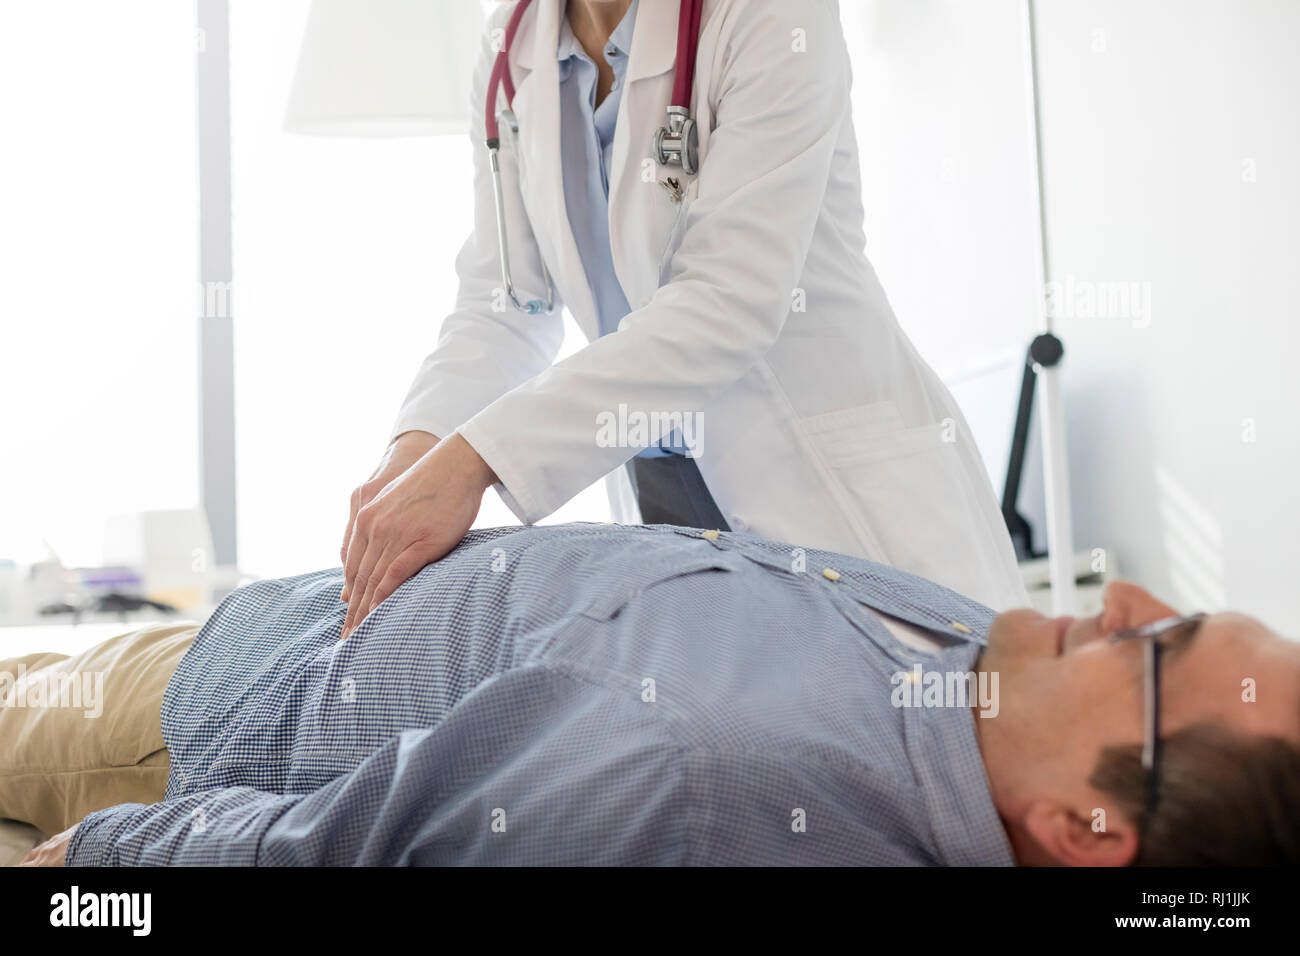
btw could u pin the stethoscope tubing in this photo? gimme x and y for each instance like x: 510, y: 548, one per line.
x: 501, y: 74
x: 680, y: 133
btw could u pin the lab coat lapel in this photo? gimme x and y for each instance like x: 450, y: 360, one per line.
x: 640, y: 212
x: 537, y: 105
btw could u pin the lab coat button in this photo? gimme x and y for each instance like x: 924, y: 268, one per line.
x: 710, y: 535
x: 830, y: 574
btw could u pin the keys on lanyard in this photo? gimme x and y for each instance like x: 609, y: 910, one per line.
x: 673, y: 186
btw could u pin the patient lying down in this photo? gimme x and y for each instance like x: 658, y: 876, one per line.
x: 627, y: 695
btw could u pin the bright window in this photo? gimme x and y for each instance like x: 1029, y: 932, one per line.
x: 344, y: 269
x: 98, y: 252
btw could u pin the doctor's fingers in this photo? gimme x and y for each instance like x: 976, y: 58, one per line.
x: 355, y: 504
x: 361, y: 496
x: 373, y: 558
x: 354, y: 547
x: 365, y: 529
x: 363, y: 588
x: 385, y: 580
x: 374, y: 522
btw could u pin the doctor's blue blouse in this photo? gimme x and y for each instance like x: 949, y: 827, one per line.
x: 586, y: 148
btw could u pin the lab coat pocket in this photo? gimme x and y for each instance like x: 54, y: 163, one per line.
x: 911, y: 490
x: 850, y: 431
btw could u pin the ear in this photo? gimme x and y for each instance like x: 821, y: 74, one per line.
x: 1069, y: 839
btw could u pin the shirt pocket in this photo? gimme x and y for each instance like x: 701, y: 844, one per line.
x: 633, y: 584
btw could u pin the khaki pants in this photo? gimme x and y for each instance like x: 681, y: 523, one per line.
x: 81, y: 733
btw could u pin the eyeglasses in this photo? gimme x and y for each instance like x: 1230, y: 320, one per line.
x: 1154, y: 637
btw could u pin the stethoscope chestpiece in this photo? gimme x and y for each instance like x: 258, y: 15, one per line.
x: 678, y: 143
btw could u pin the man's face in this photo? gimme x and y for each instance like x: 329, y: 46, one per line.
x: 1067, y: 692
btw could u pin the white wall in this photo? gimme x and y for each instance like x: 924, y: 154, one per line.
x: 1171, y: 145
x: 947, y: 180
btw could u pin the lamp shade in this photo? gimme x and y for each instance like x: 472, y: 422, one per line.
x: 385, y: 68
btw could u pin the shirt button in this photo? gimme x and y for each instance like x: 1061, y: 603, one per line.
x: 830, y: 574
x: 710, y: 536
x: 958, y: 625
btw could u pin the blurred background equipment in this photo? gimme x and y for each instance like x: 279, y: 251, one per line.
x: 170, y: 550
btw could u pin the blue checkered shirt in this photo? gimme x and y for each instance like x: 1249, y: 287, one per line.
x: 584, y: 694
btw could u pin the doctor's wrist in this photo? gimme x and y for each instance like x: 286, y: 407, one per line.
x: 465, y: 460
x: 415, y: 439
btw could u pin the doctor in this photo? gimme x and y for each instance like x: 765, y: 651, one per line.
x: 744, y: 370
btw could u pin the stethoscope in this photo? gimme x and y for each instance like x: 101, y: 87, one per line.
x: 674, y: 144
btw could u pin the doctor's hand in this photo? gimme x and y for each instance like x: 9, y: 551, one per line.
x: 406, y: 449
x: 414, y: 520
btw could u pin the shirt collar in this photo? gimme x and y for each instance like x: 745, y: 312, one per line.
x: 950, y: 769
x: 620, y: 39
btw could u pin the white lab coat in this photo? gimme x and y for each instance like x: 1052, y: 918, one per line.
x: 752, y: 302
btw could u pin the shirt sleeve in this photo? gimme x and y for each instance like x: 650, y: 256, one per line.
x: 528, y: 772
x: 212, y: 828
x: 549, y: 771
